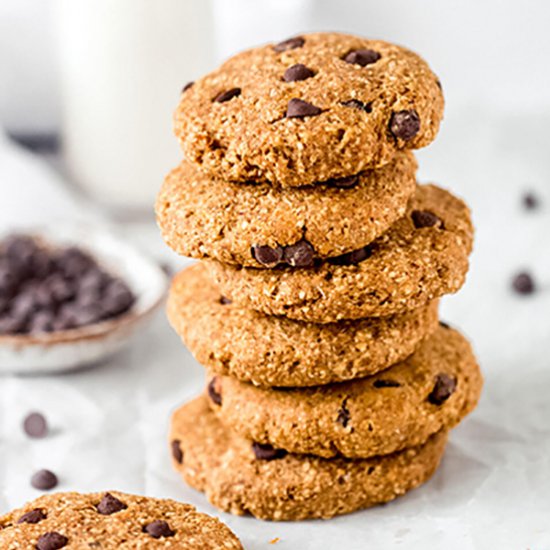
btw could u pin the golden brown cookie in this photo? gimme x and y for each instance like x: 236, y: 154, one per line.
x: 111, y: 520
x: 423, y: 256
x: 432, y: 390
x: 321, y: 106
x: 242, y: 477
x: 276, y: 351
x: 260, y: 225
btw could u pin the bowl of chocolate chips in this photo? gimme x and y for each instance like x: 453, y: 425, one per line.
x: 71, y: 296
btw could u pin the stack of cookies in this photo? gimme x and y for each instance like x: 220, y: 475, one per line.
x: 332, y: 384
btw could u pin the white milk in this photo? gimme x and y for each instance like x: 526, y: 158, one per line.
x: 123, y: 64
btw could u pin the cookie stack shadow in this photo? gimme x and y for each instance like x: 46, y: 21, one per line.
x: 331, y: 385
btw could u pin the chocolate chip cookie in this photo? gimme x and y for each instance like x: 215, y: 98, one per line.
x: 276, y: 351
x: 326, y: 106
x: 260, y: 225
x: 401, y: 407
x: 244, y: 477
x: 111, y: 520
x: 421, y: 257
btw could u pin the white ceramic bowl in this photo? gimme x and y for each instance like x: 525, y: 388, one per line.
x: 69, y: 349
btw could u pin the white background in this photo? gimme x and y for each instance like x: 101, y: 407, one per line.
x: 493, y: 490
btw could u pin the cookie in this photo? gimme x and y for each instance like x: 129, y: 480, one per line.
x: 260, y: 225
x: 401, y: 407
x: 276, y: 351
x: 112, y: 520
x: 329, y: 106
x: 241, y: 477
x: 423, y: 256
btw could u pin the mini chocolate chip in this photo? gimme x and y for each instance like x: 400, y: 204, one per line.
x: 300, y: 254
x: 405, y: 124
x: 265, y: 451
x: 158, y: 529
x: 227, y: 95
x: 523, y: 283
x: 444, y: 325
x: 297, y: 72
x: 35, y: 425
x: 362, y: 57
x: 425, y: 218
x: 225, y: 301
x: 344, y: 415
x: 356, y: 104
x: 213, y: 392
x: 266, y: 255
x: 444, y: 387
x: 289, y: 44
x: 298, y: 108
x: 44, y: 480
x: 352, y: 258
x: 187, y: 86
x: 530, y: 201
x: 51, y: 541
x: 34, y: 516
x: 386, y: 383
x: 344, y: 183
x: 177, y: 453
x: 110, y: 505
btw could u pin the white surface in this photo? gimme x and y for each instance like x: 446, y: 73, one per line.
x: 493, y: 489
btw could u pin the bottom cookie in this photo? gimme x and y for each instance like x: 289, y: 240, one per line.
x: 240, y: 476
x: 112, y: 520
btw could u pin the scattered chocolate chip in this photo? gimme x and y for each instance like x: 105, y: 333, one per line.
x: 265, y: 451
x: 34, y: 516
x: 344, y: 415
x: 425, y: 218
x: 266, y: 255
x: 344, y: 183
x: 386, y: 383
x: 438, y: 82
x: 356, y: 104
x: 177, y: 453
x: 362, y: 57
x: 289, y: 44
x: 35, y: 425
x: 444, y: 387
x: 351, y: 258
x: 51, y: 541
x: 158, y: 529
x: 227, y: 95
x: 213, y: 392
x: 523, y: 283
x: 44, y: 480
x: 298, y: 108
x: 225, y: 301
x: 300, y: 254
x: 187, y: 86
x: 530, y: 201
x: 405, y: 124
x: 110, y: 505
x: 297, y: 72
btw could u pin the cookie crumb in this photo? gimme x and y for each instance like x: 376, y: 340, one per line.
x: 275, y: 540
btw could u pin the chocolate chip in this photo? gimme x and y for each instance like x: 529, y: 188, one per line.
x: 386, y: 383
x: 34, y: 516
x: 158, y: 529
x: 227, y: 95
x: 362, y: 57
x: 297, y: 72
x: 530, y: 201
x: 444, y: 325
x: 298, y: 108
x: 289, y: 44
x: 51, y: 541
x: 187, y: 86
x: 177, y: 453
x: 444, y: 387
x: 266, y: 255
x: 351, y: 258
x: 213, y: 392
x: 110, y: 505
x: 405, y: 124
x: 523, y: 283
x: 44, y: 480
x: 344, y: 415
x: 35, y: 425
x: 300, y: 254
x: 225, y: 301
x: 356, y: 104
x: 265, y: 451
x: 344, y: 183
x: 438, y: 82
x: 425, y: 218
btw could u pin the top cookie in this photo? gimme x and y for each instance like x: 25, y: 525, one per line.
x: 312, y: 108
x: 112, y: 520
